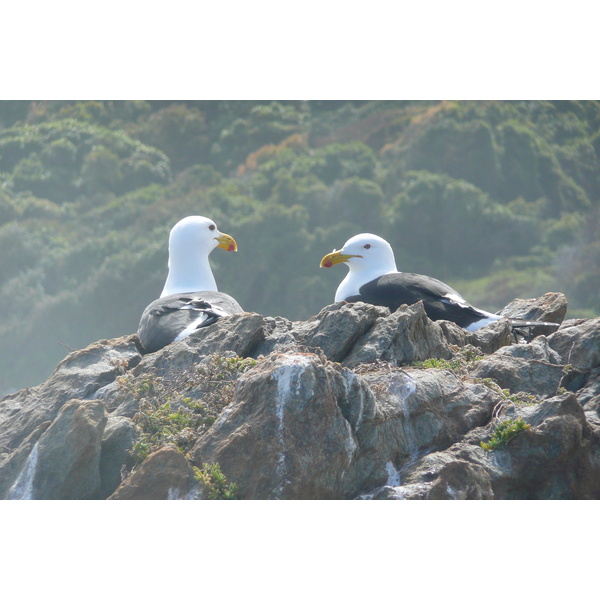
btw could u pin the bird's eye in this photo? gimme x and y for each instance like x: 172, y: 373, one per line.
x: 212, y: 227
x: 367, y: 246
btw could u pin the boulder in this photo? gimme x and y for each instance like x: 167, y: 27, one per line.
x: 445, y: 478
x: 64, y: 464
x: 240, y: 333
x: 421, y: 410
x: 120, y: 435
x: 291, y: 431
x: 556, y: 458
x: 578, y: 343
x: 164, y: 475
x: 80, y: 375
x: 531, y: 376
x: 405, y: 336
x: 340, y: 326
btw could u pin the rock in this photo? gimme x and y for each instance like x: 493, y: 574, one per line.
x: 537, y: 349
x: 65, y: 463
x: 454, y: 479
x: 556, y: 458
x: 422, y: 410
x: 405, y: 336
x: 79, y: 375
x: 590, y: 391
x: 531, y: 376
x: 492, y: 337
x: 164, y: 475
x: 551, y: 308
x: 488, y: 339
x: 340, y: 326
x: 16, y: 467
x: 578, y: 344
x: 459, y: 473
x: 344, y: 405
x: 281, y: 336
x: 120, y: 434
x: 289, y: 432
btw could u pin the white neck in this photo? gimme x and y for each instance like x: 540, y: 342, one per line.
x: 357, y: 277
x: 188, y: 273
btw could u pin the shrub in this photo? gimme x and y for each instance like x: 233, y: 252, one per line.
x: 504, y: 433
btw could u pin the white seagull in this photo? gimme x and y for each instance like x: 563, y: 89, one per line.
x: 374, y: 278
x: 190, y: 299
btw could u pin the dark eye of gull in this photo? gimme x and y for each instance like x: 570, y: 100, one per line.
x: 212, y: 227
x: 367, y: 246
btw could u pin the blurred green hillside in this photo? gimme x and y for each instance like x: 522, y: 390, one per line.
x: 499, y: 199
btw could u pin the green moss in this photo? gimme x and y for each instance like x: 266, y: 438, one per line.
x: 505, y: 432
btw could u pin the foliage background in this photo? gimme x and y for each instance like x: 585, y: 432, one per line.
x: 499, y: 199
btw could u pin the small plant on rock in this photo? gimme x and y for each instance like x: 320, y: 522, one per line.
x: 215, y: 483
x: 505, y: 432
x: 180, y: 407
x: 461, y: 359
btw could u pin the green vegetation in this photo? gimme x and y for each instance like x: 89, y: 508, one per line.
x: 438, y: 363
x: 505, y: 432
x: 499, y: 199
x: 215, y: 483
x: 162, y: 424
x: 459, y: 363
x: 178, y: 408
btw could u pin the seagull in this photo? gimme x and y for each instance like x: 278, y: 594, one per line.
x: 374, y: 278
x: 190, y: 299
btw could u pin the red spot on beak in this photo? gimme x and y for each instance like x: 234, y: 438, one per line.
x: 231, y: 248
x: 328, y: 264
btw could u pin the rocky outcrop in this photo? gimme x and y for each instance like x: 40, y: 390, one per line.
x: 553, y: 459
x: 355, y: 403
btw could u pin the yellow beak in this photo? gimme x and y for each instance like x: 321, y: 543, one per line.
x: 335, y: 258
x: 227, y: 243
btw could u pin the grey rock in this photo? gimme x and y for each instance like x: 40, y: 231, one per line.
x: 590, y: 391
x: 578, y: 343
x: 405, y: 336
x: 556, y: 459
x: 340, y: 326
x: 537, y: 349
x: 450, y: 479
x: 492, y: 337
x: 16, y: 467
x: 532, y: 376
x: 285, y: 435
x: 64, y: 464
x: 488, y: 339
x: 281, y: 336
x: 551, y: 308
x: 241, y: 333
x: 426, y: 409
x: 120, y: 434
x: 80, y: 375
x: 164, y: 475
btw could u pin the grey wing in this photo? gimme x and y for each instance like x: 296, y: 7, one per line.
x: 174, y: 317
